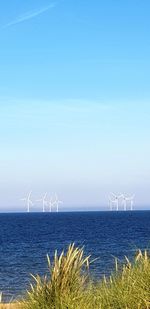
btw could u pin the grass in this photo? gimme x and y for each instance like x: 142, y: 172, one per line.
x: 65, y: 284
x: 68, y: 286
x: 10, y: 306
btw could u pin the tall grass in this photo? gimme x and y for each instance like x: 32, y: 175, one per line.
x: 68, y: 286
x: 64, y: 285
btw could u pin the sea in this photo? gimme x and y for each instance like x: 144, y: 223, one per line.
x: 27, y: 238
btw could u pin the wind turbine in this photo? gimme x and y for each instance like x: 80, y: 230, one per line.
x: 51, y: 204
x: 57, y: 202
x: 111, y: 202
x: 28, y: 201
x: 125, y: 203
x: 116, y: 199
x: 44, y: 202
x: 130, y: 200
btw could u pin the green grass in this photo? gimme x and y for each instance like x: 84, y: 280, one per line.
x: 68, y: 286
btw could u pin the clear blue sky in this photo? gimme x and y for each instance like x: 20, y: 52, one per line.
x: 74, y: 100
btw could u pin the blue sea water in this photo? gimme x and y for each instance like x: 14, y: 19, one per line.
x: 26, y: 239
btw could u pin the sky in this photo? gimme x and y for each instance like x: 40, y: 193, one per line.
x: 74, y: 102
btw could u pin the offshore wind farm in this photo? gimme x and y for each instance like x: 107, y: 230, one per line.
x: 47, y: 205
x: 121, y: 202
x: 116, y: 202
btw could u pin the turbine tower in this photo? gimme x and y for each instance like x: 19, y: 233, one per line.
x: 130, y: 200
x: 28, y: 201
x: 51, y: 204
x: 125, y: 203
x: 57, y: 202
x: 116, y: 199
x: 111, y: 203
x: 44, y: 202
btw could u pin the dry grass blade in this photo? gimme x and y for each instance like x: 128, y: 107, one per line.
x: 65, y: 286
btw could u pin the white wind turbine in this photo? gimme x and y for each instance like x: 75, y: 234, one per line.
x: 57, y: 202
x: 51, y: 204
x: 28, y: 201
x: 124, y: 203
x: 116, y: 199
x: 44, y: 202
x: 111, y: 203
x: 129, y: 199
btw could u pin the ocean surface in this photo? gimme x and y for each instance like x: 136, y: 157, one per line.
x: 26, y: 239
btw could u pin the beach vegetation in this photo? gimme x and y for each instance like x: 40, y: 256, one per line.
x: 68, y: 285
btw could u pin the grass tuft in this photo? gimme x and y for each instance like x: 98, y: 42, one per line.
x: 66, y: 281
x: 67, y: 286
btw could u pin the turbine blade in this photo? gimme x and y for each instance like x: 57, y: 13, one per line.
x: 113, y: 194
